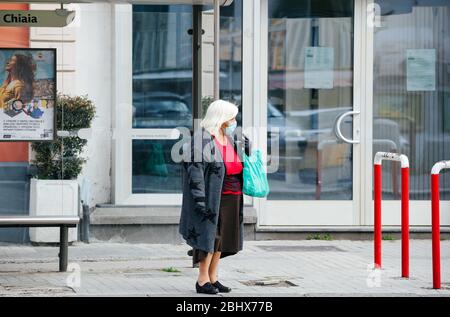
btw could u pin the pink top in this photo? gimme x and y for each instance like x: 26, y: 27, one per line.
x: 233, y: 167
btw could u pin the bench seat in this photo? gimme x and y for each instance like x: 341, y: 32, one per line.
x: 64, y: 223
x: 41, y: 221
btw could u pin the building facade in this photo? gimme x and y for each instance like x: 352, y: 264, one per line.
x: 293, y: 68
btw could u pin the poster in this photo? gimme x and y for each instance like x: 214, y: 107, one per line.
x: 421, y: 69
x: 319, y: 65
x: 27, y: 94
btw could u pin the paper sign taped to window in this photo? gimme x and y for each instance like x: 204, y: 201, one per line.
x: 421, y: 69
x: 319, y: 64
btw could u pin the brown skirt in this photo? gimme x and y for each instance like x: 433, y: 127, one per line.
x: 228, y: 229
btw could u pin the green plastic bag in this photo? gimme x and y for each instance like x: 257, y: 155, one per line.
x: 255, y: 177
x: 156, y: 164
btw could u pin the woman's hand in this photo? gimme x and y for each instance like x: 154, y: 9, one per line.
x: 247, y: 145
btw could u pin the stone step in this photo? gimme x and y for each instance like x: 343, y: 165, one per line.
x: 147, y: 224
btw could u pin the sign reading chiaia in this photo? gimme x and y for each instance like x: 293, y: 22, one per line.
x: 36, y: 18
x: 19, y: 18
x: 27, y: 94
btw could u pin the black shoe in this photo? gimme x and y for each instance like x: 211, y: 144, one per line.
x: 221, y: 288
x: 207, y: 288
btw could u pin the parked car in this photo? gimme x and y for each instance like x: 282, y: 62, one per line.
x: 161, y: 111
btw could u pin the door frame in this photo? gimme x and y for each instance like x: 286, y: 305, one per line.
x: 332, y: 213
x: 367, y: 133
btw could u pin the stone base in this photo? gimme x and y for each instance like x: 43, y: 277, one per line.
x: 142, y: 224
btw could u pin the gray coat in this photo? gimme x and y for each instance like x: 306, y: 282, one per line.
x: 202, y: 180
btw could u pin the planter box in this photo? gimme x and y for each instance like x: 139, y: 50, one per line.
x: 53, y: 198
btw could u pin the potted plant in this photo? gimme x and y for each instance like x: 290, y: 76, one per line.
x: 54, y: 189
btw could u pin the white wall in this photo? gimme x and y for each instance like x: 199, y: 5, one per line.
x: 94, y: 68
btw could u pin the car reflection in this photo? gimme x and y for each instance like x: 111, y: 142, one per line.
x: 310, y: 159
x: 161, y: 111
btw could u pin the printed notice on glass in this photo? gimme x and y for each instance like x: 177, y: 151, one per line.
x: 421, y: 69
x: 319, y: 64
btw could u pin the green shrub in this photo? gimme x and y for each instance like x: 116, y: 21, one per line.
x: 60, y: 159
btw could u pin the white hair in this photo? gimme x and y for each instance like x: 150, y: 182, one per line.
x: 219, y: 112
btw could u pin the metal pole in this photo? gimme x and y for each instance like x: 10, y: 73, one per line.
x: 63, y: 247
x: 435, y: 228
x: 403, y: 159
x: 86, y: 223
x: 216, y: 49
x: 377, y: 214
x: 435, y: 222
x: 405, y: 222
x: 197, y: 62
x: 319, y: 174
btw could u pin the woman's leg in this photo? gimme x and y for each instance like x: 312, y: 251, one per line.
x: 214, y: 267
x: 203, y: 270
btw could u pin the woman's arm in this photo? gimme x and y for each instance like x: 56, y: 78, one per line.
x: 196, y: 178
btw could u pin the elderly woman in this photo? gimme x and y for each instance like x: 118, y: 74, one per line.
x: 212, y: 210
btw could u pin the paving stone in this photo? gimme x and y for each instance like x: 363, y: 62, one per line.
x: 318, y: 268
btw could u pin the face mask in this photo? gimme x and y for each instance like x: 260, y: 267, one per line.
x: 230, y: 129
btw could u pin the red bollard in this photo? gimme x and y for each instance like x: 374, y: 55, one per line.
x: 377, y: 216
x: 405, y: 221
x: 435, y: 223
x: 379, y: 157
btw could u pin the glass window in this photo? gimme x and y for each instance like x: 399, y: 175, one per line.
x: 310, y: 83
x: 153, y: 169
x: 162, y: 91
x: 162, y: 66
x: 162, y: 83
x: 412, y: 91
x: 231, y: 55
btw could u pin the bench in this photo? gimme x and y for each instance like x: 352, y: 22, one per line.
x: 64, y: 223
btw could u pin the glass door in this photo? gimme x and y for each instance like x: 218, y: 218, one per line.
x: 162, y: 94
x: 312, y: 110
x: 411, y: 100
x: 152, y: 98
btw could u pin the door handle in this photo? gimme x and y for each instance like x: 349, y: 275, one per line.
x: 337, y: 128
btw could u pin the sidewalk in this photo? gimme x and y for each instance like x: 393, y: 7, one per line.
x: 301, y: 268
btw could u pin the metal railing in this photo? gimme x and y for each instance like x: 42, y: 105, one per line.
x: 379, y: 157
